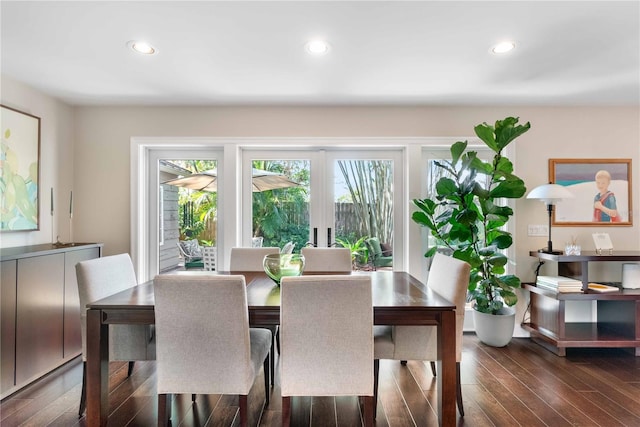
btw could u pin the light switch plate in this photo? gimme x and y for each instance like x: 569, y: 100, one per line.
x: 537, y: 230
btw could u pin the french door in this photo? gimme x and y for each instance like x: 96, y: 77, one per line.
x: 342, y: 196
x: 172, y: 214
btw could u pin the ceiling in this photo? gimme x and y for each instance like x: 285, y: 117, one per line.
x: 382, y: 52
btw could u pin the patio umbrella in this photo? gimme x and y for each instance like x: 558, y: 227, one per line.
x: 208, y: 181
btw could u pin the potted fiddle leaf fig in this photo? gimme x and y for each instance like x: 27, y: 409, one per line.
x: 467, y: 218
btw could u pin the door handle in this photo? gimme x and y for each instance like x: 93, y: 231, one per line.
x: 315, y: 236
x: 329, y: 237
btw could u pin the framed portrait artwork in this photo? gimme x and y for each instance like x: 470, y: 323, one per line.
x: 20, y: 163
x: 601, y: 189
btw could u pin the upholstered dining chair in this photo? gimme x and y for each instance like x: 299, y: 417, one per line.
x: 449, y: 277
x: 99, y: 278
x: 249, y: 259
x: 204, y: 342
x: 326, y: 334
x: 326, y: 260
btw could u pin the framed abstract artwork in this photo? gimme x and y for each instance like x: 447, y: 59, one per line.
x: 20, y: 170
x: 601, y: 189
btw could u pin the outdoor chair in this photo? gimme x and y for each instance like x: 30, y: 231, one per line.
x: 191, y: 252
x: 377, y: 256
x: 209, y: 257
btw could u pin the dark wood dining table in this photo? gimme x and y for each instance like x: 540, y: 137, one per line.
x: 398, y: 299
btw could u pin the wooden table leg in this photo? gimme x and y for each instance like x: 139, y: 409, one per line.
x: 97, y: 369
x: 447, y: 369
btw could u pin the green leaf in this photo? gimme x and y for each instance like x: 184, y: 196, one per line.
x: 422, y: 219
x: 509, y: 189
x: 456, y: 150
x: 503, y: 241
x: 511, y: 280
x: 509, y: 298
x: 446, y: 186
x: 431, y: 252
x: 506, y: 131
x: 486, y: 133
x: 498, y: 260
x: 427, y: 205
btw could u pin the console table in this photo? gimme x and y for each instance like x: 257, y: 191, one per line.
x: 40, y: 313
x: 618, y: 313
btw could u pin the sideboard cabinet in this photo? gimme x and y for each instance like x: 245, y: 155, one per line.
x: 40, y: 314
x: 617, y: 313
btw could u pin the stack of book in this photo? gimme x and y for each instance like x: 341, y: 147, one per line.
x: 559, y: 284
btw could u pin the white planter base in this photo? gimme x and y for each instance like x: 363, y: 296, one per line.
x: 495, y: 330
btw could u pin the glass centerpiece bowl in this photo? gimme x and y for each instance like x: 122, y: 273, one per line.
x: 278, y: 266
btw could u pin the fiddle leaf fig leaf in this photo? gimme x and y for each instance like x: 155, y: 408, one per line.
x: 456, y: 150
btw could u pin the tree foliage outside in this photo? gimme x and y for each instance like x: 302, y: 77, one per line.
x: 282, y: 215
x: 370, y: 184
x: 277, y: 213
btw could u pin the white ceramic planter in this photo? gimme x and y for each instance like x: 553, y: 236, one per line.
x: 495, y: 330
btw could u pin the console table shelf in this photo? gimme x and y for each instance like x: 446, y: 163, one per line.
x: 618, y: 313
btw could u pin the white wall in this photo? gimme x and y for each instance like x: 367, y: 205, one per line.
x: 56, y: 161
x: 100, y: 167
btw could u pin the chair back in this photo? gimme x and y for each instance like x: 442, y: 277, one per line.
x: 449, y: 277
x: 209, y: 255
x: 326, y: 336
x: 202, y: 334
x: 99, y: 278
x: 250, y: 259
x: 329, y: 260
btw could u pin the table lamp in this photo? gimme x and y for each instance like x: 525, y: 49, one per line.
x: 550, y: 194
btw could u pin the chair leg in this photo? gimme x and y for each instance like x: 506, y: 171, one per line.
x: 164, y: 410
x: 433, y: 368
x: 83, y: 393
x: 459, y: 390
x: 243, y: 410
x: 267, y: 389
x: 286, y: 411
x: 369, y: 416
x: 272, y: 358
x: 193, y: 397
x: 376, y: 371
x: 130, y: 369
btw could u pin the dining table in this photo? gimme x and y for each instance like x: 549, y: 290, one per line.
x: 398, y: 299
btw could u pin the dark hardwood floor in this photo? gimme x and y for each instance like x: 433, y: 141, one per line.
x: 521, y: 384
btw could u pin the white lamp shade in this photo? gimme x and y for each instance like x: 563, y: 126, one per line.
x: 550, y: 193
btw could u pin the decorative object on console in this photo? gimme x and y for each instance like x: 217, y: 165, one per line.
x: 603, y: 243
x: 550, y: 194
x: 631, y: 275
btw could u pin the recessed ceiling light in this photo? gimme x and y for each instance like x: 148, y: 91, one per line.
x: 317, y: 47
x: 503, y: 47
x: 142, y: 47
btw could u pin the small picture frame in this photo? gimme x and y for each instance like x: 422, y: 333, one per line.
x: 601, y: 189
x: 602, y: 242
